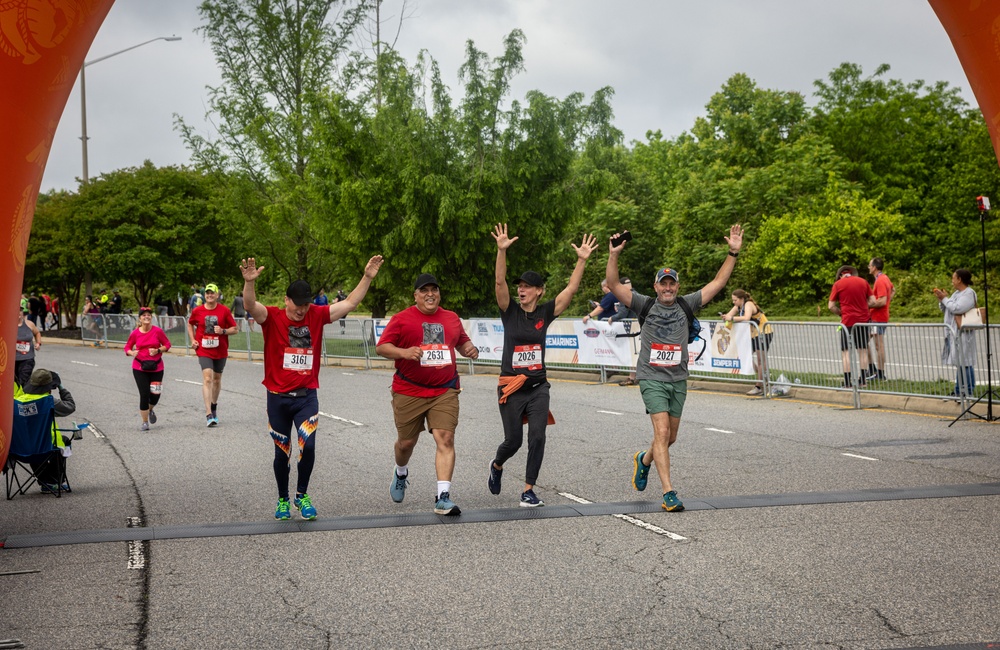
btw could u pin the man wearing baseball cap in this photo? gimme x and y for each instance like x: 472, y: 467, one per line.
x: 51, y: 472
x: 209, y: 328
x: 662, y: 369
x: 293, y: 342
x: 422, y: 340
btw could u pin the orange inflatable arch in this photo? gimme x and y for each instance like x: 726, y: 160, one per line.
x: 42, y: 47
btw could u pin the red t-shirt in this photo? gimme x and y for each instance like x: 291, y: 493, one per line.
x: 204, y: 320
x: 883, y: 287
x: 292, y: 349
x: 439, y: 334
x: 852, y: 293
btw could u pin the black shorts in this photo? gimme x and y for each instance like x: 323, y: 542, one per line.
x: 217, y: 365
x: 860, y: 338
x: 761, y: 341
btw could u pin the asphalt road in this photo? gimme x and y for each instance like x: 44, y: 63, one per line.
x: 840, y: 571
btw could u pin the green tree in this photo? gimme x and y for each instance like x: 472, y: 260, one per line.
x: 60, y: 250
x: 276, y: 57
x: 154, y: 228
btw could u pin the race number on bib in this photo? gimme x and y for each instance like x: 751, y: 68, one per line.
x: 527, y: 357
x: 435, y: 355
x: 156, y: 387
x: 210, y: 342
x: 664, y: 355
x: 298, y: 359
x: 23, y: 347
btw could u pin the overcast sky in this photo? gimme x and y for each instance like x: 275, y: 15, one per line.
x: 664, y: 59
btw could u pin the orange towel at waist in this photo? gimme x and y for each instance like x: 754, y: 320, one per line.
x: 510, y: 385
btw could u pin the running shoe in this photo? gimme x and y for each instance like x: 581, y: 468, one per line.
x: 756, y: 390
x: 152, y: 416
x: 54, y: 488
x: 144, y: 426
x: 305, y: 507
x: 495, y: 476
x: 529, y: 500
x: 211, y: 421
x: 641, y: 473
x: 445, y: 506
x: 671, y: 503
x: 397, y: 489
x: 282, y: 512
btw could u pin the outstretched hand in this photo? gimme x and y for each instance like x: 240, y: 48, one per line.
x: 735, y: 238
x: 500, y: 234
x: 248, y: 268
x: 586, y: 247
x: 611, y: 244
x: 374, y: 264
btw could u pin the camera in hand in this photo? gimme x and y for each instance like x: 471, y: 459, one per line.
x: 617, y: 240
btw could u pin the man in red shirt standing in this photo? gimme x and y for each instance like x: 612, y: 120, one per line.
x: 884, y: 292
x: 850, y: 299
x: 209, y: 328
x: 422, y: 340
x: 293, y: 343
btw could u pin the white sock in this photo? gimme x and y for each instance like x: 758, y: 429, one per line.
x: 401, y: 472
x: 444, y: 486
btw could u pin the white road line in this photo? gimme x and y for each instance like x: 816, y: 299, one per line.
x: 611, y: 412
x: 335, y: 417
x: 185, y: 381
x: 632, y: 520
x: 718, y: 430
x: 861, y: 457
x: 84, y: 363
x: 347, y: 374
x: 97, y: 434
x: 136, y: 555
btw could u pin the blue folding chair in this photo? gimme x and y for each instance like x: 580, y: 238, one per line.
x: 34, y: 451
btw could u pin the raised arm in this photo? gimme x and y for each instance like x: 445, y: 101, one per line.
x: 500, y: 273
x: 342, y: 308
x: 622, y: 292
x: 251, y: 272
x: 583, y: 252
x: 735, y: 241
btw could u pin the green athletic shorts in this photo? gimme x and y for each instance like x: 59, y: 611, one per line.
x: 664, y: 396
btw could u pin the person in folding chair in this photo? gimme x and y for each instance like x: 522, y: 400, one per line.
x: 35, y: 406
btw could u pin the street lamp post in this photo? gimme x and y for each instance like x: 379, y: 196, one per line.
x: 83, y: 99
x: 83, y: 117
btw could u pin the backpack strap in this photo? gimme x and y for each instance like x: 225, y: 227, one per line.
x: 641, y: 316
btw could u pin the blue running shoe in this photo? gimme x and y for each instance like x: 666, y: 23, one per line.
x: 282, y: 512
x: 529, y: 500
x: 495, y: 476
x: 397, y: 489
x: 671, y: 503
x: 305, y: 507
x: 641, y: 473
x: 445, y: 506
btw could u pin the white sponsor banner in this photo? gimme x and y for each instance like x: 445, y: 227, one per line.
x: 487, y: 335
x: 727, y: 350
x: 600, y: 343
x: 379, y: 325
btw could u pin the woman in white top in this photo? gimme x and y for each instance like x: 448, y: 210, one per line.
x: 959, y: 344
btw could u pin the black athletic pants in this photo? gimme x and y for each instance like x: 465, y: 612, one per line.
x: 533, y: 403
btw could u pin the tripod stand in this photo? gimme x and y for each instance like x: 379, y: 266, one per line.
x: 984, y: 208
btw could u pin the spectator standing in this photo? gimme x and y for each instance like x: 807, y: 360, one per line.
x: 321, y: 300
x: 115, y: 307
x: 959, y: 345
x: 343, y: 321
x: 293, y: 343
x: 884, y: 292
x: 746, y: 309
x: 29, y: 339
x: 93, y: 320
x: 237, y: 308
x: 605, y: 309
x: 209, y: 328
x: 36, y: 309
x: 663, y: 358
x: 146, y: 345
x: 851, y: 298
x: 523, y: 392
x: 422, y: 340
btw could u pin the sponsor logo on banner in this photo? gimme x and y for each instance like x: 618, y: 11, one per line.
x: 728, y: 364
x: 591, y: 333
x: 566, y: 342
x: 482, y: 328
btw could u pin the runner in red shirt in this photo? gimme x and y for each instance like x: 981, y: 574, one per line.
x: 209, y: 328
x: 884, y: 292
x: 293, y: 342
x: 851, y: 298
x: 423, y: 340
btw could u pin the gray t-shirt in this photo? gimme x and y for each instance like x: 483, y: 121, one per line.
x: 663, y: 355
